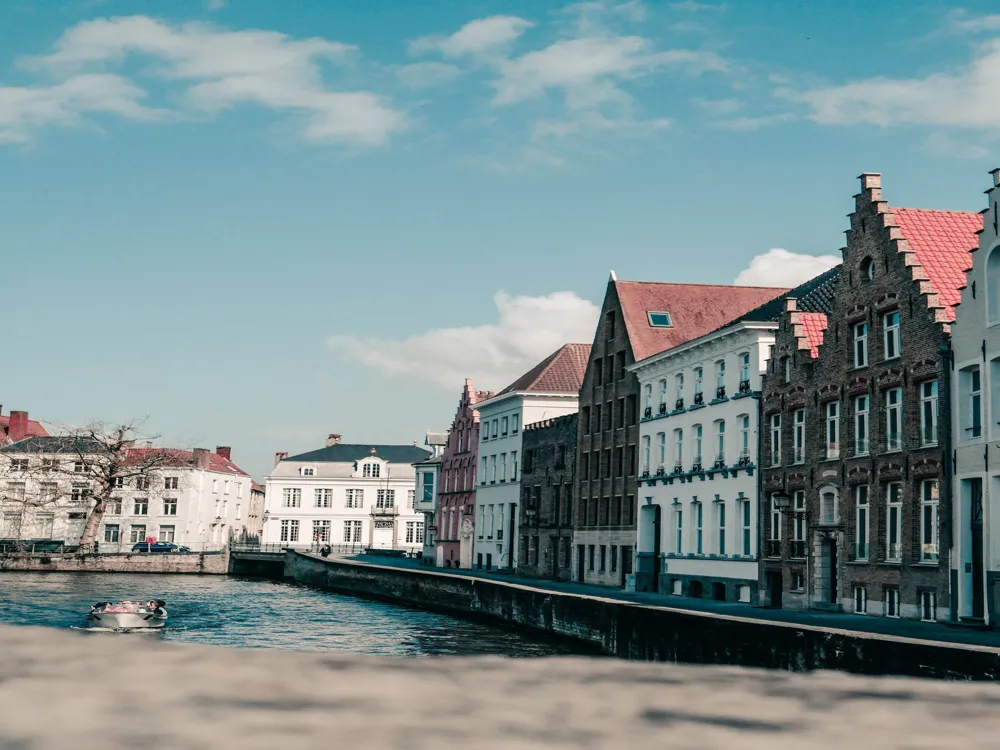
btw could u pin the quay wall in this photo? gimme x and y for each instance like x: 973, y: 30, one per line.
x: 210, y: 563
x: 645, y: 632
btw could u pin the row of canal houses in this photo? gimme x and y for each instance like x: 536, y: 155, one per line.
x: 823, y: 447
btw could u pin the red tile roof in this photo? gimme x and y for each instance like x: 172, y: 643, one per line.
x: 942, y: 242
x: 35, y: 429
x: 255, y: 487
x: 695, y: 309
x: 174, y: 457
x: 560, y: 372
x: 813, y: 324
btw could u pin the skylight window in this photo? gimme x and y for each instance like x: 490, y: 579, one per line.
x: 659, y: 320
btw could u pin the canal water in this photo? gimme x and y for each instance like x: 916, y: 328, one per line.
x: 225, y: 611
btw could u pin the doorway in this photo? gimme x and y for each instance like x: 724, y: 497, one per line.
x: 657, y: 516
x: 976, y: 520
x: 511, y: 538
x: 626, y: 568
x: 830, y: 546
x: 774, y: 589
x: 554, y: 557
x: 581, y: 562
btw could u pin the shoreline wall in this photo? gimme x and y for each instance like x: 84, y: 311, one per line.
x: 205, y: 563
x: 635, y: 631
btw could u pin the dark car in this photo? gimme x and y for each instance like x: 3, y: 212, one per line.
x: 159, y: 547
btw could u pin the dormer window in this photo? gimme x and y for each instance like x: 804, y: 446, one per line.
x: 308, y: 471
x: 659, y: 320
x: 371, y: 469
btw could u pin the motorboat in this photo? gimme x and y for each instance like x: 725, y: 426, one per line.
x: 128, y: 615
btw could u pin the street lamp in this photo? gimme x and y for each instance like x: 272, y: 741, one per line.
x: 781, y: 500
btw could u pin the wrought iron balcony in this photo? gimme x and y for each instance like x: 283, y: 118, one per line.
x: 391, y: 510
x: 744, y: 387
x: 699, y: 398
x: 679, y: 404
x: 647, y: 412
x: 720, y: 392
x: 773, y: 548
x: 798, y: 548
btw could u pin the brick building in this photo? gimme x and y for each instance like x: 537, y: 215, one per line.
x: 548, y: 451
x: 638, y: 319
x: 855, y: 450
x: 456, y: 496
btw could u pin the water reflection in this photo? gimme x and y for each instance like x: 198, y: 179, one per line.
x: 223, y: 611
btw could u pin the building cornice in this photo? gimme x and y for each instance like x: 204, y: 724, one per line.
x: 525, y: 395
x: 709, y: 339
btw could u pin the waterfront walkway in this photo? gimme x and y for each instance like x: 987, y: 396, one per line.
x: 898, y: 628
x: 65, y: 690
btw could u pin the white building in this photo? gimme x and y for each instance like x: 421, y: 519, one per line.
x: 698, y: 456
x: 975, y: 397
x: 550, y: 389
x: 196, y: 499
x: 361, y: 496
x: 428, y: 473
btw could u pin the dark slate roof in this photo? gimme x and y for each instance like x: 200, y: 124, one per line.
x: 55, y: 444
x: 815, y: 295
x: 344, y: 454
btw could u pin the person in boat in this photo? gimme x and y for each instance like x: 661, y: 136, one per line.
x: 325, y: 550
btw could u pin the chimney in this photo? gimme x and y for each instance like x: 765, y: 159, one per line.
x: 279, y: 456
x: 201, y: 457
x: 17, y: 426
x: 332, y: 439
x: 225, y: 451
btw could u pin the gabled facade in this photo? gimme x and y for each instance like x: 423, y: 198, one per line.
x: 638, y: 320
x: 855, y: 451
x: 456, y: 497
x: 975, y: 389
x: 355, y: 496
x: 428, y: 475
x: 548, y: 390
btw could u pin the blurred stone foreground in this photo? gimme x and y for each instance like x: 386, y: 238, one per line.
x: 68, y: 690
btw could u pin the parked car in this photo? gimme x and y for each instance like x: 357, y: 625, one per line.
x: 165, y: 547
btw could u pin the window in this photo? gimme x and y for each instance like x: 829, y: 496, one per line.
x: 993, y: 284
x: 659, y: 320
x: 614, y: 557
x: 165, y: 534
x: 860, y: 600
x: 720, y: 442
x: 647, y: 396
x: 137, y: 534
x: 696, y: 509
x: 696, y: 436
x: 140, y: 506
x: 385, y: 498
x: 493, y: 522
x: 590, y: 556
x: 352, y: 532
x: 721, y: 511
x: 225, y: 490
x: 745, y: 369
x: 893, y: 342
x: 516, y: 423
x: 321, y: 531
x: 484, y: 430
x: 861, y: 425
x: 503, y: 467
x: 307, y: 471
x: 928, y: 606
x: 827, y: 507
x: 775, y: 440
x: 503, y: 426
x: 747, y: 529
x: 678, y: 389
x: 604, y: 558
x: 833, y: 430
x: 620, y: 366
x: 239, y: 516
x: 720, y: 378
x: 414, y: 532
x: 971, y: 403
x: 774, y: 545
x: 929, y: 502
x: 482, y: 520
x: 928, y: 412
x: 786, y: 365
x: 493, y: 469
x: 79, y: 467
x: 678, y: 447
x: 609, y: 325
x: 79, y: 495
x: 861, y: 527
x: 290, y: 530
x: 679, y: 530
x: 645, y: 457
x: 142, y: 483
x: 482, y: 472
x: 113, y: 507
x: 891, y: 602
x: 799, y: 523
x: 867, y: 269
x: 620, y: 414
x: 493, y: 428
x: 324, y: 497
x: 170, y: 506
x: 799, y: 437
x: 118, y: 482
x: 698, y: 377
x: 170, y: 483
x: 861, y: 345
x: 371, y: 469
x: 894, y: 522
x: 513, y: 466
x: 661, y: 450
x: 111, y: 533
x: 744, y: 435
x: 355, y: 499
x: 798, y: 581
x: 894, y: 419
x: 291, y: 497
x: 427, y: 486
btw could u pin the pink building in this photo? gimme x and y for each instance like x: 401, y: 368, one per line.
x: 456, y: 500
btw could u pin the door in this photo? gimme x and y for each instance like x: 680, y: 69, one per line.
x: 554, y: 557
x: 511, y: 538
x: 383, y: 536
x: 580, y: 563
x: 627, y: 561
x: 657, y: 515
x: 834, y: 588
x: 976, y: 519
x: 774, y: 586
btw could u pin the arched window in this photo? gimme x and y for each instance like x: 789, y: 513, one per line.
x: 993, y: 284
x: 867, y: 270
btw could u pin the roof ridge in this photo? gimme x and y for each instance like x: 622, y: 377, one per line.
x: 697, y: 284
x: 890, y: 207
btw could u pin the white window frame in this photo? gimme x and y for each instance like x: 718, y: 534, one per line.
x: 832, y: 430
x: 894, y: 522
x: 862, y: 425
x: 720, y: 433
x: 893, y: 420
x: 678, y: 447
x: 646, y: 454
x: 860, y: 600
x: 661, y: 445
x: 799, y: 436
x: 928, y: 606
x: 862, y: 522
x: 775, y: 439
x: 747, y: 523
x: 930, y: 521
x: 893, y: 338
x: 928, y: 413
x: 745, y: 367
x: 890, y: 601
x: 721, y: 519
x: 697, y: 434
x: 679, y: 529
x: 698, y: 511
x: 744, y: 435
x: 860, y: 331
x: 291, y: 497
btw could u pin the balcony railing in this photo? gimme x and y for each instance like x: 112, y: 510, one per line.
x: 773, y: 548
x: 663, y: 408
x: 798, y: 548
x: 860, y: 447
x: 699, y: 398
x: 720, y: 392
x: 720, y: 460
x: 860, y: 551
x: 679, y: 404
x: 744, y: 387
x: 647, y: 412
x: 392, y: 510
x: 894, y: 442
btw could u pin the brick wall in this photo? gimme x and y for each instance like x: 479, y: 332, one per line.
x: 201, y: 563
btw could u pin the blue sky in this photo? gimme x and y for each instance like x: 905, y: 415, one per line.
x: 258, y: 221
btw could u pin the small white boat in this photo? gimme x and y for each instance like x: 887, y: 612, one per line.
x: 129, y: 615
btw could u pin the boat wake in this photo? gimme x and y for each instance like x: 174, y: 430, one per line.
x: 89, y: 629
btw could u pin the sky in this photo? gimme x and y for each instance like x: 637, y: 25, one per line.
x: 254, y: 222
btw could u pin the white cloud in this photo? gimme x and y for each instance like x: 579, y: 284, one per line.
x: 423, y: 75
x: 216, y: 4
x: 595, y: 122
x: 480, y: 37
x: 781, y: 268
x: 959, y: 21
x: 719, y: 107
x: 746, y: 124
x: 25, y: 109
x: 222, y: 69
x: 940, y: 144
x: 597, y: 16
x: 964, y: 98
x: 493, y: 355
x: 689, y: 6
x: 588, y: 69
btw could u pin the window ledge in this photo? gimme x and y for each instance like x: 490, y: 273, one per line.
x: 889, y: 563
x: 927, y: 564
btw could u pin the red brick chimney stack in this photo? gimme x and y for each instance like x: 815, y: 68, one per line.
x: 201, y: 457
x: 279, y: 456
x: 225, y: 451
x: 333, y: 439
x: 17, y: 426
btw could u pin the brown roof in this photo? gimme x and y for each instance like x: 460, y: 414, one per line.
x: 560, y: 372
x: 695, y: 309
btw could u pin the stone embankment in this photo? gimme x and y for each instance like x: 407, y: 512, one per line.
x: 64, y: 690
x: 644, y: 631
x: 212, y: 563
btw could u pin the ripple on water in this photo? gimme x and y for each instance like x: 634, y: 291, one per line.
x: 222, y: 611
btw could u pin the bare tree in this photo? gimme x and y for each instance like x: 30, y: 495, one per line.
x: 88, y: 467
